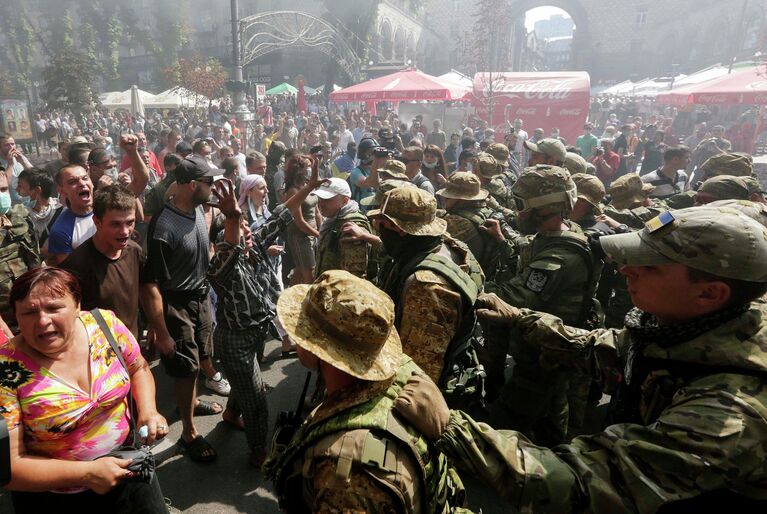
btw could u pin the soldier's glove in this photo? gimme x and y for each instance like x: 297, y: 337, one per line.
x: 422, y: 405
x: 492, y: 308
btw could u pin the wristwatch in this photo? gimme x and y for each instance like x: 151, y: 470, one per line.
x: 621, y: 229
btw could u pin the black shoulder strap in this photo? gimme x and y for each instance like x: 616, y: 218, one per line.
x: 102, y: 323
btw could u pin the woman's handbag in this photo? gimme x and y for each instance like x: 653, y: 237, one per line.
x: 142, y: 465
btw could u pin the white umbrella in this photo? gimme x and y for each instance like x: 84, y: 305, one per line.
x: 136, y: 105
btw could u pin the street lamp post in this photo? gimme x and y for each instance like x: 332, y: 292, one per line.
x: 241, y: 111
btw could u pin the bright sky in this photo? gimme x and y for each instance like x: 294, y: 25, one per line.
x: 541, y: 13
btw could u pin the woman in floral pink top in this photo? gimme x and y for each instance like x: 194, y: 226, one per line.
x: 63, y: 393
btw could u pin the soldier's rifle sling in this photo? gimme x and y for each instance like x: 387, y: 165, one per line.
x: 302, y: 398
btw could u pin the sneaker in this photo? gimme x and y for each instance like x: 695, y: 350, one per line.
x: 218, y: 384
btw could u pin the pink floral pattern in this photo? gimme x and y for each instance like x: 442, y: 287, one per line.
x: 60, y: 421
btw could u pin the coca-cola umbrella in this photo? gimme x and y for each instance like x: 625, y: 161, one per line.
x: 744, y: 86
x: 540, y: 99
x: 401, y: 86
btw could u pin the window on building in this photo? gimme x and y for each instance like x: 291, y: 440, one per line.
x: 641, y: 17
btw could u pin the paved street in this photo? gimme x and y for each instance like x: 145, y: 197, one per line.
x: 231, y: 485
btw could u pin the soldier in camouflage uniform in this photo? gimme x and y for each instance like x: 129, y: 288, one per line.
x: 466, y: 216
x: 332, y: 251
x: 734, y: 164
x: 501, y: 154
x: 691, y: 372
x: 557, y: 273
x: 19, y: 251
x: 433, y: 279
x: 352, y: 454
x: 487, y: 171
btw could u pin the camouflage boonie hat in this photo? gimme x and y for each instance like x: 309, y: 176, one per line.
x: 590, y: 168
x: 716, y: 240
x: 728, y: 164
x: 383, y: 188
x: 487, y: 166
x: 574, y: 163
x: 463, y: 185
x: 590, y: 188
x: 542, y: 186
x: 413, y: 210
x: 393, y: 169
x: 345, y: 321
x: 757, y: 211
x: 725, y: 187
x: 500, y: 152
x: 550, y: 147
x: 628, y: 190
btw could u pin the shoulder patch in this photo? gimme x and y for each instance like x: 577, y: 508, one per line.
x: 536, y: 281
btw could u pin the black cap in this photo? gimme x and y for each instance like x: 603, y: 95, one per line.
x: 195, y: 167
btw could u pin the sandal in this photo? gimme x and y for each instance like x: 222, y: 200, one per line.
x: 206, y: 408
x: 198, y: 449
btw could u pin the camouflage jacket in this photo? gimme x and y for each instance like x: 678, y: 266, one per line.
x: 700, y: 446
x: 19, y: 252
x: 636, y: 218
x: 557, y: 273
x: 333, y: 253
x: 353, y: 455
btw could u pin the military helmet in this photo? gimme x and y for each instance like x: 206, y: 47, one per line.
x: 544, y: 186
x: 487, y: 166
x: 738, y: 165
x: 500, y: 152
x: 589, y: 187
x: 365, y: 149
x: 574, y: 163
x: 725, y: 187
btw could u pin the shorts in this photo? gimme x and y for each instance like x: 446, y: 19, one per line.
x: 190, y: 325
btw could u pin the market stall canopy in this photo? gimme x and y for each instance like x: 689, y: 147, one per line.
x: 645, y: 87
x: 122, y: 99
x: 540, y: 99
x: 321, y: 89
x: 458, y: 78
x: 744, y: 86
x: 401, y: 86
x: 282, y: 88
x: 176, y: 98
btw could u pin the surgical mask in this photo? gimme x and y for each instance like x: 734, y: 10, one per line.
x: 430, y: 165
x: 5, y: 202
x: 469, y: 167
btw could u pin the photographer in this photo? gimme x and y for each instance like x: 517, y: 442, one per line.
x: 606, y: 162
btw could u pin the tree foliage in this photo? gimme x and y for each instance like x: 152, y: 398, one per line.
x: 198, y: 74
x: 68, y: 78
x: 17, y: 52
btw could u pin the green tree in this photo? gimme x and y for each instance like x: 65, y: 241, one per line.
x: 68, y: 79
x: 17, y: 52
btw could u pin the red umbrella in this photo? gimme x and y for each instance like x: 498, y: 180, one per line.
x: 403, y: 85
x: 746, y: 86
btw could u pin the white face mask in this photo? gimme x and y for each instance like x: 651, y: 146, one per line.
x: 430, y: 165
x: 469, y: 167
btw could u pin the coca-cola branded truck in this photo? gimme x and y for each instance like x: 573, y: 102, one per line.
x: 541, y: 99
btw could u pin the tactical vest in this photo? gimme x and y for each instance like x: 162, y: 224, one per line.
x: 651, y: 384
x: 379, y: 438
x: 587, y: 312
x: 463, y: 377
x: 18, y: 253
x: 328, y: 252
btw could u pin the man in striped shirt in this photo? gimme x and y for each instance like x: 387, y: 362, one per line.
x: 670, y: 179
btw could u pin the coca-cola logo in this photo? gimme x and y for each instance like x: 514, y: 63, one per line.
x: 527, y: 112
x: 540, y: 90
x: 570, y: 112
x: 713, y: 99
